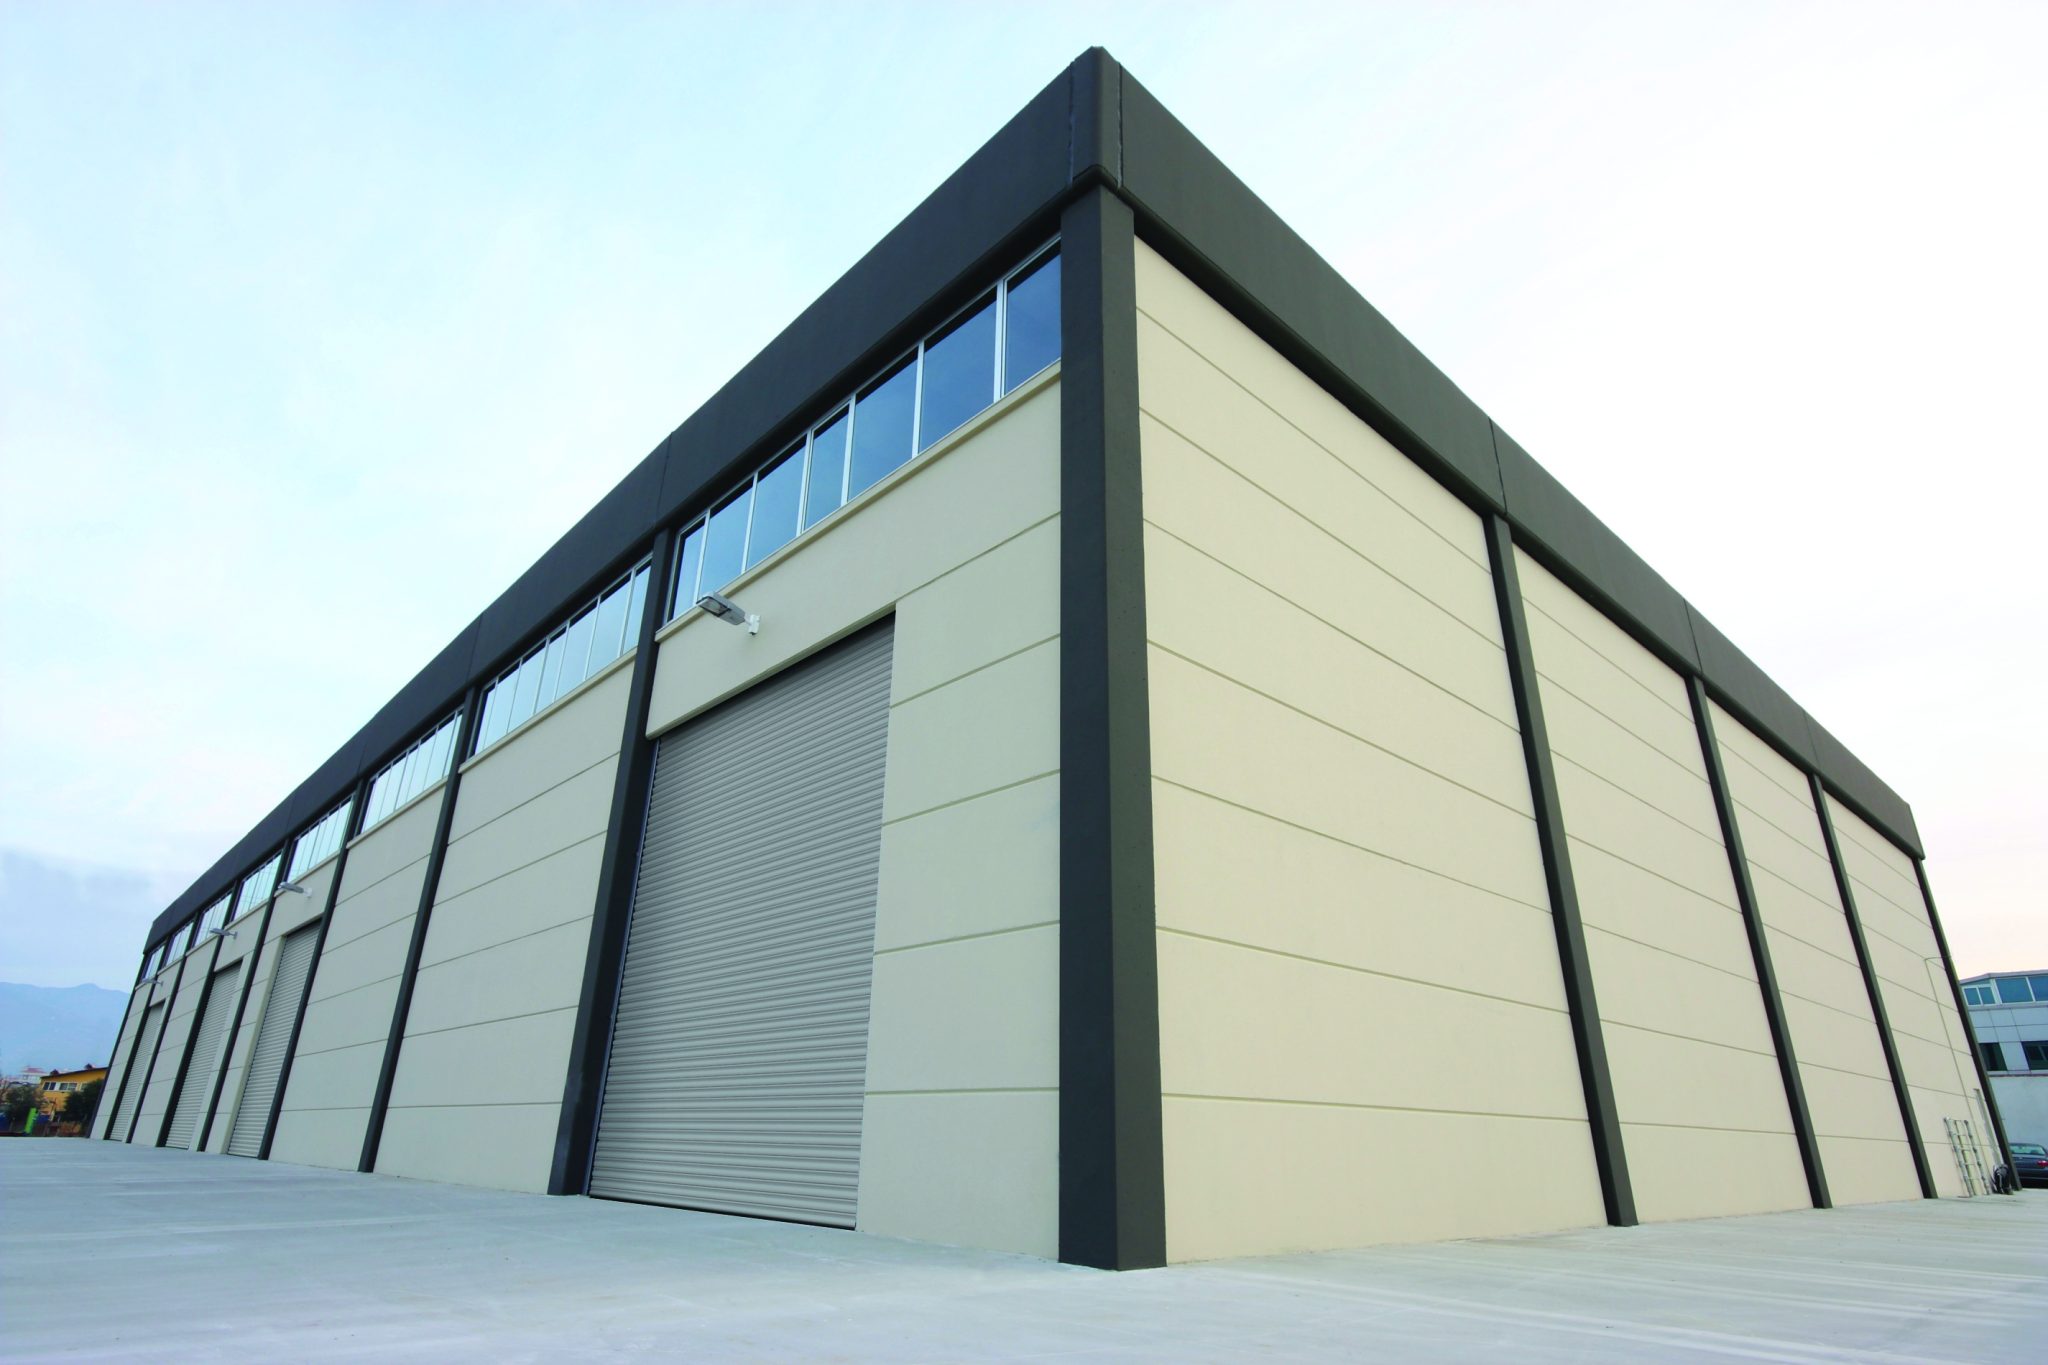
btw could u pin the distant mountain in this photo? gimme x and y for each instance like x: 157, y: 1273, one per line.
x: 58, y: 1028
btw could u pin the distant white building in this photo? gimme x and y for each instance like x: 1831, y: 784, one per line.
x: 2009, y: 1020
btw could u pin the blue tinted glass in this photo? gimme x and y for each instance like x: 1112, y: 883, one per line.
x: 609, y: 629
x: 725, y: 547
x: 881, y: 429
x: 551, y: 672
x: 576, y: 650
x: 2012, y: 990
x: 686, y: 570
x: 828, y: 471
x: 487, y: 730
x: 636, y: 607
x: 525, y: 692
x: 776, y: 495
x: 1032, y: 323
x: 2040, y: 988
x: 959, y: 374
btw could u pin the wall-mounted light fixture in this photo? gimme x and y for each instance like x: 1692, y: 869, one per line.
x: 729, y: 611
x: 294, y: 888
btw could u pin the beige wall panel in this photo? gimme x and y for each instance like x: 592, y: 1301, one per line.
x: 348, y: 968
x: 966, y: 1015
x: 117, y: 1068
x: 1345, y: 853
x: 502, y: 1147
x: 1592, y: 656
x: 1193, y: 498
x: 1839, y: 1041
x: 975, y: 867
x: 1178, y: 305
x: 1867, y: 1171
x: 1710, y: 1173
x: 292, y: 911
x: 548, y: 892
x: 1648, y: 988
x: 541, y: 971
x: 1808, y: 974
x: 1851, y: 1105
x: 1258, y: 1179
x: 398, y: 841
x: 362, y: 1015
x: 1299, y: 770
x: 993, y: 606
x: 564, y: 741
x: 179, y: 1020
x: 1220, y: 620
x: 547, y: 821
x: 332, y: 1138
x: 1620, y: 898
x: 1217, y: 1005
x: 1687, y: 1082
x: 376, y: 907
x: 1313, y: 897
x: 914, y: 1184
x: 942, y: 747
x: 1185, y: 391
x: 1695, y: 1071
x: 940, y: 511
x: 500, y: 1061
x: 1616, y: 822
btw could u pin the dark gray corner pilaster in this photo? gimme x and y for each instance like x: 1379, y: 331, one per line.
x: 1759, y: 946
x: 1603, y: 1118
x: 1948, y: 967
x: 291, y: 1046
x: 380, y: 1102
x: 1112, y: 1187
x: 603, y: 961
x: 1863, y: 963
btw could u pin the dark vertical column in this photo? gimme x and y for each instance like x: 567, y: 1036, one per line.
x: 1112, y: 1186
x: 1602, y: 1117
x: 163, y: 1131
x: 373, y: 1132
x: 251, y: 960
x: 156, y: 1048
x: 291, y: 1045
x: 590, y: 1044
x: 1948, y: 966
x: 1759, y: 947
x: 1884, y: 1023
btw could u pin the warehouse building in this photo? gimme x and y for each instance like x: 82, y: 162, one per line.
x: 2009, y: 1023
x: 1089, y: 745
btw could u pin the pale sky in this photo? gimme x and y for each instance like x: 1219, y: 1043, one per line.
x: 320, y: 321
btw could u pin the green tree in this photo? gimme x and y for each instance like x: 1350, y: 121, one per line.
x: 81, y: 1104
x: 15, y: 1102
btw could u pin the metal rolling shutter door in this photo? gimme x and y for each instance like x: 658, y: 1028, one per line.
x: 266, y: 1059
x: 138, y: 1071
x: 739, y: 1053
x: 200, y: 1071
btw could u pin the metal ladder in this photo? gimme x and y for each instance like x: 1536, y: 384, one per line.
x: 1962, y: 1140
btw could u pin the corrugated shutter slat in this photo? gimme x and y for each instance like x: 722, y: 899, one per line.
x: 204, y: 1066
x: 273, y: 1035
x: 739, y: 1052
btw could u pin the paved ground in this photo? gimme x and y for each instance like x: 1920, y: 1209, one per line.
x: 115, y: 1252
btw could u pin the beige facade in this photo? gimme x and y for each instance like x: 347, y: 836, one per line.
x: 1933, y: 1046
x: 354, y: 989
x: 960, y: 1135
x: 478, y: 1091
x: 118, y: 1064
x: 1349, y: 889
x: 1833, y: 1032
x: 181, y: 1016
